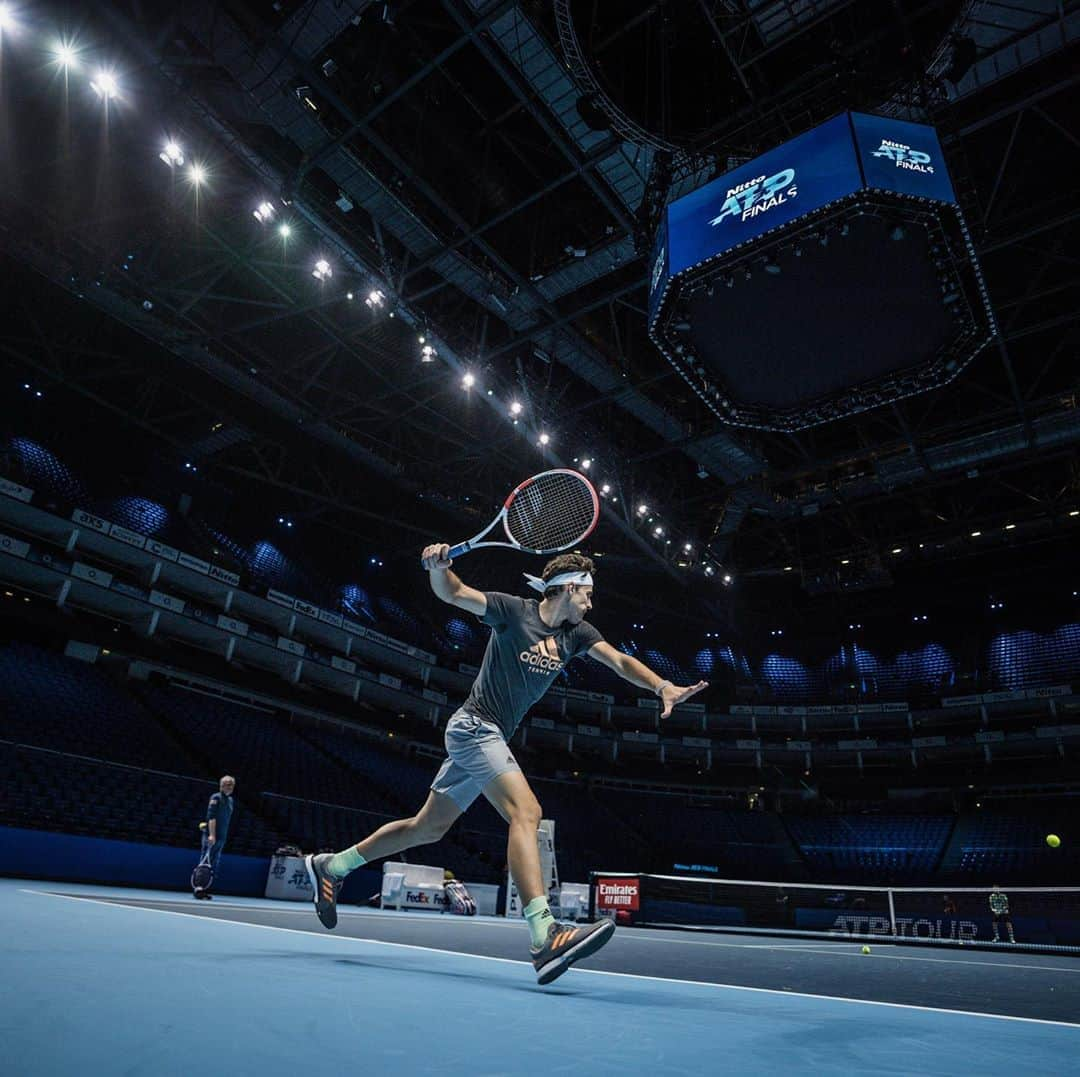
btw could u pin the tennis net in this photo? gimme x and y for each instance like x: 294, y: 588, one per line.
x: 1042, y: 917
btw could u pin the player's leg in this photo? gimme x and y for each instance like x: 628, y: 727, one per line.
x: 511, y: 796
x: 555, y: 946
x: 328, y: 871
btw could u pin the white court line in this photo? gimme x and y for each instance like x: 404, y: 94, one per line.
x: 806, y: 948
x: 588, y: 972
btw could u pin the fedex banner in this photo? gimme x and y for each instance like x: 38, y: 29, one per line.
x: 615, y: 894
x: 851, y: 152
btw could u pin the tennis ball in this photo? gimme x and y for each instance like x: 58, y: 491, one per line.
x: 866, y: 949
x: 1053, y: 840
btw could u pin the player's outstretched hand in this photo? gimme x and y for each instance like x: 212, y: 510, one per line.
x: 437, y: 555
x: 674, y: 694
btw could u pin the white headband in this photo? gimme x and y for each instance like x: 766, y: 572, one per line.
x: 537, y: 584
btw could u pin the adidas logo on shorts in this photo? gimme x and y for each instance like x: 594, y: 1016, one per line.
x: 543, y: 656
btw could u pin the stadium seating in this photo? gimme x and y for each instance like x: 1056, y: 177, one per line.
x: 48, y: 790
x: 871, y: 848
x: 62, y: 703
x: 998, y: 847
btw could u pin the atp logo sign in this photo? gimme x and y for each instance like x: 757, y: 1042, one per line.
x: 905, y: 156
x: 757, y: 196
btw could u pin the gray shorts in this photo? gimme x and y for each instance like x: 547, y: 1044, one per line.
x: 477, y: 752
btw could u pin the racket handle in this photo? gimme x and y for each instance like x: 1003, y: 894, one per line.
x: 458, y: 550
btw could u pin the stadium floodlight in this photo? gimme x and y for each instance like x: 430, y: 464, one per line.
x: 172, y: 154
x: 349, y: 295
x: 468, y: 381
x: 642, y: 510
x: 264, y: 212
x: 709, y: 570
x: 1010, y: 527
x: 789, y: 568
x: 545, y: 439
x: 65, y: 56
x: 727, y: 578
x: 376, y: 299
x: 322, y: 270
x: 606, y: 488
x: 428, y: 354
x: 515, y: 408
x: 196, y: 174
x: 284, y: 231
x: 658, y: 531
x: 586, y: 464
x: 975, y: 534
x: 105, y: 85
x: 1075, y: 512
x: 7, y: 18
x: 687, y: 548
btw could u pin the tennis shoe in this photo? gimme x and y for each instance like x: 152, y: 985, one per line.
x: 566, y: 944
x: 325, y: 888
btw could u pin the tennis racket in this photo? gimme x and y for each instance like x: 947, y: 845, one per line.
x: 203, y: 876
x: 550, y: 512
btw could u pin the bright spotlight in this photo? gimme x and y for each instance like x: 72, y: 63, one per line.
x: 544, y: 439
x: 468, y: 381
x: 515, y: 408
x: 197, y: 174
x: 264, y: 212
x: 427, y: 354
x: 375, y: 299
x: 586, y: 464
x: 284, y: 231
x: 727, y: 578
x: 606, y: 488
x: 322, y: 270
x: 7, y: 19
x: 172, y: 154
x: 642, y: 510
x: 64, y: 55
x: 104, y: 84
x: 709, y: 570
x: 658, y: 531
x: 687, y: 548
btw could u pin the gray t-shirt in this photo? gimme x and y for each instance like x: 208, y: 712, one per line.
x: 523, y: 658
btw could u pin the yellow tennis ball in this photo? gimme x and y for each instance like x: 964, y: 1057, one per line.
x: 1053, y: 840
x: 866, y: 949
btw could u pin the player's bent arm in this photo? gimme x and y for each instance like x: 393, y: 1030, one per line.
x: 448, y: 586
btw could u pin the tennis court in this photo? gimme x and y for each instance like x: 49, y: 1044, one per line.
x: 106, y: 981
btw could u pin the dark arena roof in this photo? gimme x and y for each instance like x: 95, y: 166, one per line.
x: 292, y: 288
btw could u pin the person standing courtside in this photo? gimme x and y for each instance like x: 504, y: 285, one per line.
x: 999, y: 906
x: 219, y: 814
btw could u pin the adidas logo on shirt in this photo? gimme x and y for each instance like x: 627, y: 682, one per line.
x: 543, y: 656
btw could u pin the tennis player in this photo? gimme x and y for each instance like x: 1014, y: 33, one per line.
x: 530, y: 643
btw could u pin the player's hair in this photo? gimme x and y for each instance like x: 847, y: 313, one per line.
x: 565, y: 562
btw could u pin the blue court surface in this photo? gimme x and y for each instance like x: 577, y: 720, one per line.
x: 106, y: 981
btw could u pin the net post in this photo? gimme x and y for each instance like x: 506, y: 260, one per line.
x: 892, y: 912
x: 592, y: 897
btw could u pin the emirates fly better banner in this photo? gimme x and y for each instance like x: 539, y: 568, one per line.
x: 615, y: 894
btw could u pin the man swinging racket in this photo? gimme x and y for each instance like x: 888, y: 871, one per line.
x: 530, y: 643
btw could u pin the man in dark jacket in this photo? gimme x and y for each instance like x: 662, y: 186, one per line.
x: 219, y: 814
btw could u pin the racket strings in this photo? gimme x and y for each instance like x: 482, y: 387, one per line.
x: 553, y: 512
